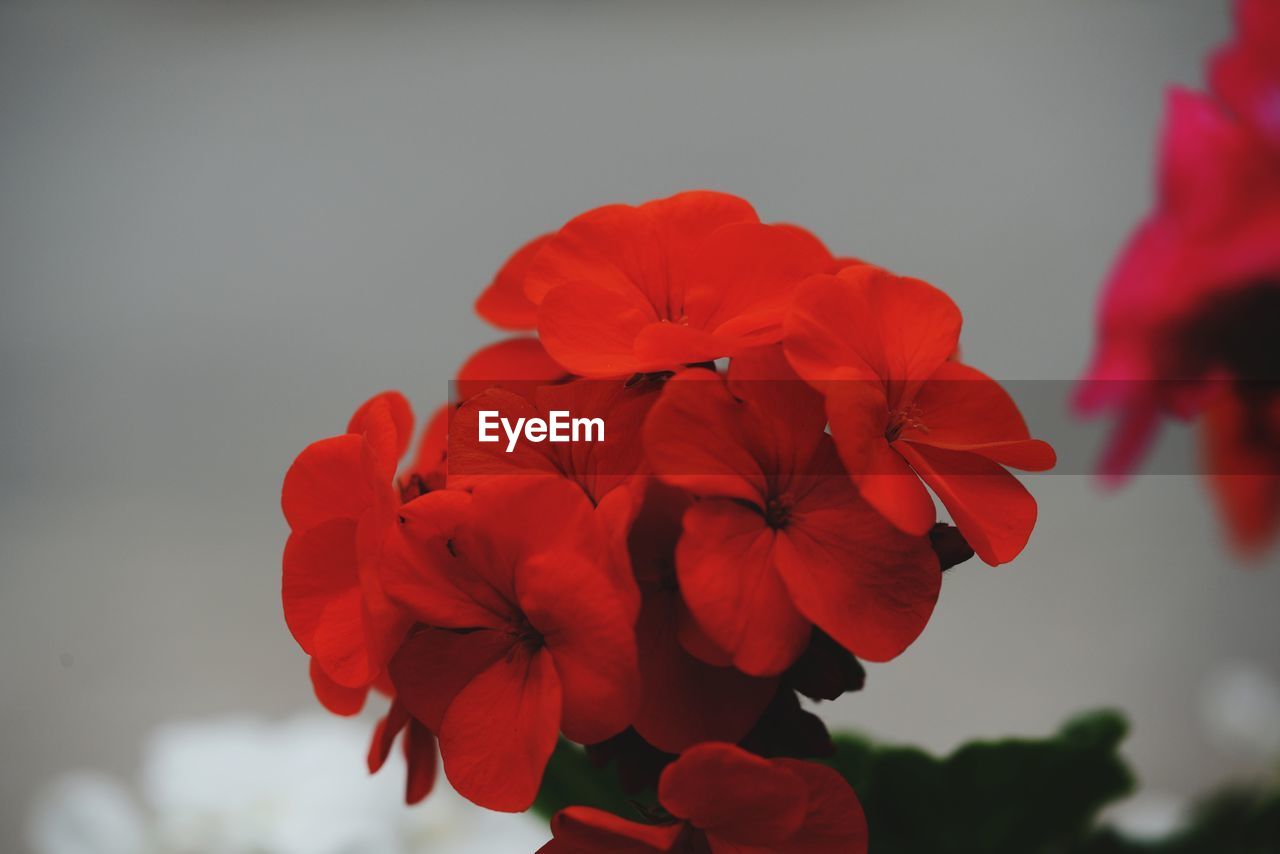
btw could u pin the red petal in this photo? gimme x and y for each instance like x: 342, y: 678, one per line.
x: 385, y: 621
x: 990, y: 507
x: 740, y: 285
x: 1245, y: 74
x: 896, y: 492
x: 419, y: 751
x: 1243, y: 475
x: 588, y: 627
x: 329, y: 479
x: 338, y: 699
x: 609, y: 247
x: 320, y: 569
x: 743, y: 276
x: 615, y: 513
x: 697, y: 437
x: 682, y: 222
x: 859, y: 415
x: 834, y: 822
x: 734, y: 795
x: 341, y: 644
x: 882, y: 326
x: 614, y: 270
x: 727, y: 575
x: 684, y: 700
x: 592, y: 331
x: 668, y: 345
x: 424, y: 572
x: 500, y: 731
x: 655, y: 530
x: 384, y: 735
x: 860, y: 580
x: 420, y: 755
x: 386, y: 421
x: 518, y: 364
x: 503, y: 303
x: 696, y: 643
x: 963, y: 409
x: 516, y: 517
x: 583, y: 830
x: 789, y: 417
x: 434, y: 665
x: 432, y: 448
x: 619, y: 247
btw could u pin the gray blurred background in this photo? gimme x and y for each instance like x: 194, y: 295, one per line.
x: 225, y: 224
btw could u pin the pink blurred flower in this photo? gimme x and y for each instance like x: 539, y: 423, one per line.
x: 1187, y: 319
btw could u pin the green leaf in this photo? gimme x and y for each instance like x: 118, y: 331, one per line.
x: 1017, y: 796
x: 571, y: 779
x: 1013, y: 796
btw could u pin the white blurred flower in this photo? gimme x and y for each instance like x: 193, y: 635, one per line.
x: 1147, y: 816
x: 1240, y: 707
x: 246, y: 786
x: 86, y: 813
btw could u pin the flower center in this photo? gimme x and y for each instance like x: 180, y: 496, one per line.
x: 416, y: 485
x: 1235, y: 332
x: 902, y: 418
x: 777, y: 513
x: 676, y: 317
x: 522, y: 633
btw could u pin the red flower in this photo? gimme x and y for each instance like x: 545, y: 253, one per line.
x: 1215, y: 235
x: 524, y: 631
x: 1246, y: 73
x: 340, y: 503
x: 780, y: 541
x: 504, y: 303
x: 724, y: 799
x: 504, y: 595
x: 879, y: 346
x: 1187, y: 318
x: 694, y: 277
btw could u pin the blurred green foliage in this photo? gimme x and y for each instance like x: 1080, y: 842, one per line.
x: 571, y: 779
x: 1013, y: 796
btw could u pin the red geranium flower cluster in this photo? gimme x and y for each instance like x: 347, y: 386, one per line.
x: 1187, y: 319
x: 756, y: 519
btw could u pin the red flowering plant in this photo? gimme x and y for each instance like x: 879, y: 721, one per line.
x: 1187, y: 319
x: 751, y: 520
